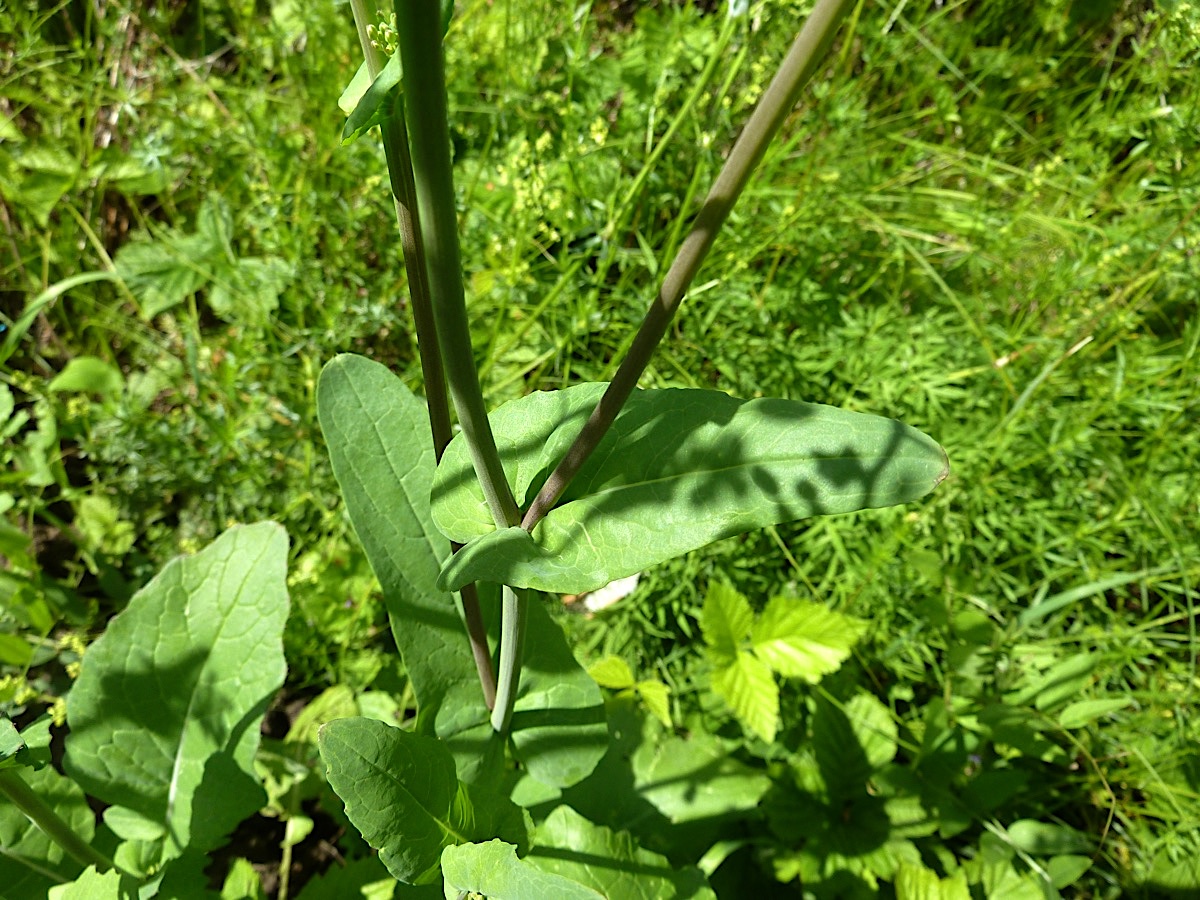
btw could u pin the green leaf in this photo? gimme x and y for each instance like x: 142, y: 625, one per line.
x: 377, y: 432
x: 88, y: 375
x: 31, y: 863
x: 401, y: 792
x: 492, y: 870
x: 916, y: 882
x: 1047, y: 839
x: 613, y: 673
x: 374, y: 106
x: 696, y: 778
x: 558, y: 726
x: 852, y: 742
x: 657, y: 697
x: 165, y: 714
x: 748, y: 686
x: 91, y: 885
x: 247, y: 291
x: 725, y: 620
x: 1078, y: 714
x: 610, y: 862
x: 10, y: 743
x: 678, y: 470
x: 802, y: 639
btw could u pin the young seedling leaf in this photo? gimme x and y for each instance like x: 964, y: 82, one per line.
x: 612, y: 672
x: 377, y: 432
x: 610, y: 862
x: 165, y: 714
x: 678, y: 470
x: 657, y: 698
x: 401, y: 792
x: 802, y: 639
x: 377, y: 104
x: 725, y: 621
x: 748, y: 686
x: 493, y: 870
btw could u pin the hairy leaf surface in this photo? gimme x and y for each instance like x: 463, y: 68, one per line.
x: 678, y: 470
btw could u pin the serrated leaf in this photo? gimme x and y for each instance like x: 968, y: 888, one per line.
x: 165, y: 714
x: 749, y: 689
x: 612, y: 672
x: 377, y: 432
x: 88, y: 375
x: 725, y: 621
x: 610, y: 862
x: 401, y: 792
x: 678, y: 470
x: 91, y: 885
x: 378, y: 103
x: 802, y: 639
x: 493, y: 870
x: 852, y: 742
x: 162, y: 274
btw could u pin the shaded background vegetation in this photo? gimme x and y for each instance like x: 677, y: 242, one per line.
x: 982, y: 221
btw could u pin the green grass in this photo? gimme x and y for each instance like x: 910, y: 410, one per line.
x: 984, y: 222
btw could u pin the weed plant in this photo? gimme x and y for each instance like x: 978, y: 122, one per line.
x: 983, y: 224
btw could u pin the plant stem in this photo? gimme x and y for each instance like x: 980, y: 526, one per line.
x: 513, y: 607
x: 420, y: 33
x: 423, y: 61
x: 13, y: 787
x: 395, y: 148
x: 766, y: 120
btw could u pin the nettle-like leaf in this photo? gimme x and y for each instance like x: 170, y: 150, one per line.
x: 678, y: 470
x: 792, y: 638
x: 165, y: 714
x: 401, y: 792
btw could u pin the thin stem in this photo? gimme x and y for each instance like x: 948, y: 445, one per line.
x: 768, y: 117
x: 395, y: 147
x: 514, y: 606
x: 13, y: 787
x: 420, y: 35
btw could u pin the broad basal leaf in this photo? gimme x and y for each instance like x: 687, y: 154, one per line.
x: 401, y: 792
x: 678, y: 470
x: 165, y: 714
x: 377, y: 432
x: 610, y: 862
x: 802, y: 639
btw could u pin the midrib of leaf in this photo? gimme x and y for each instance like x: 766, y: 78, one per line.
x: 445, y: 826
x: 177, y: 765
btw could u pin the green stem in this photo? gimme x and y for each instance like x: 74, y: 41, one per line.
x: 514, y: 606
x: 768, y: 117
x: 13, y: 787
x: 395, y: 147
x: 420, y: 34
